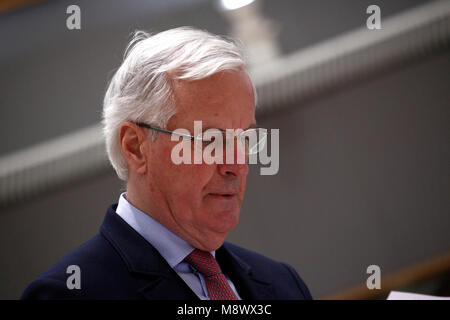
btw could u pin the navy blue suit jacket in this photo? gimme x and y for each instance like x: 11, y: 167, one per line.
x: 120, y: 264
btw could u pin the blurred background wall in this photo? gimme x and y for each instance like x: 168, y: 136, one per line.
x: 364, y: 134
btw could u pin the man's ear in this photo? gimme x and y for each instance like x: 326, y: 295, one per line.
x: 132, y: 142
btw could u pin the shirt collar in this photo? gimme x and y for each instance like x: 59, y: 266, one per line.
x: 172, y: 248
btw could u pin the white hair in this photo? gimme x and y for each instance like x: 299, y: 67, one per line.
x: 141, y: 90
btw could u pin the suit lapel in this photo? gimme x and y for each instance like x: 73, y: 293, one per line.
x: 248, y: 285
x: 156, y: 280
x: 161, y: 287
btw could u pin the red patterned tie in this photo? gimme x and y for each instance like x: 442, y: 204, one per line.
x: 216, y: 283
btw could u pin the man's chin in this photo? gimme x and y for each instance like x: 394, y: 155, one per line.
x: 224, y: 222
x: 217, y: 236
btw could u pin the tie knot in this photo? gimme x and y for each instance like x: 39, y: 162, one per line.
x: 204, y: 262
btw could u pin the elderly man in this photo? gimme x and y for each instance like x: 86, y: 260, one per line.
x: 165, y: 239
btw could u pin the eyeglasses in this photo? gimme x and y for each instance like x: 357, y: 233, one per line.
x: 253, y: 139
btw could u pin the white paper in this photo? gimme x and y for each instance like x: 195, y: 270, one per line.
x: 397, y: 295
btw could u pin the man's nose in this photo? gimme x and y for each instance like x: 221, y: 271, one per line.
x: 239, y: 166
x: 237, y: 170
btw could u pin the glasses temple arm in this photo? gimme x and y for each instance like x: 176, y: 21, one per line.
x: 165, y: 131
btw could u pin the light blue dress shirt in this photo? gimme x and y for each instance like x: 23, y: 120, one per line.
x: 171, y: 247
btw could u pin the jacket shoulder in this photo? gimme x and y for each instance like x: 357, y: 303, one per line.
x: 96, y: 263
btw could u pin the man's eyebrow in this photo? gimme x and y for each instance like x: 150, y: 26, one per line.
x: 252, y: 126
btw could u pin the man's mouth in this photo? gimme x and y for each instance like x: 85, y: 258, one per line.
x: 223, y: 195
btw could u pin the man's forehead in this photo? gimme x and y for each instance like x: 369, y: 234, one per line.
x: 224, y: 100
x: 215, y: 89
